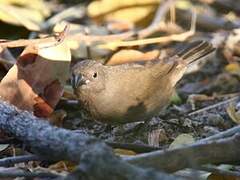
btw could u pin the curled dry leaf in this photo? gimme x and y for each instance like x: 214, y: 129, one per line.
x: 126, y: 56
x: 36, y: 82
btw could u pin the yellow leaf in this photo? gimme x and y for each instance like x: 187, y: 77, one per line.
x: 124, y: 152
x: 134, y: 11
x: 97, y: 8
x: 233, y: 68
x: 183, y: 4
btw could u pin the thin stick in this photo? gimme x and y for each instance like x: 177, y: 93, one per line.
x: 160, y: 14
x: 221, y: 151
x: 28, y: 174
x: 173, y: 14
x: 173, y: 37
x: 54, y: 40
x: 213, y: 106
x: 9, y: 161
x: 221, y: 135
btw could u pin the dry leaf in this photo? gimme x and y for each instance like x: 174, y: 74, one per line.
x: 133, y: 11
x: 125, y: 152
x: 36, y: 82
x: 29, y: 15
x: 35, y: 4
x: 233, y: 114
x: 120, y: 26
x: 126, y: 56
x: 181, y: 140
x: 221, y: 177
x: 224, y: 167
x: 156, y: 137
x: 3, y: 147
x: 233, y: 68
x: 62, y: 166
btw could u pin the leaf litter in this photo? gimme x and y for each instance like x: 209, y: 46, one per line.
x: 206, y: 99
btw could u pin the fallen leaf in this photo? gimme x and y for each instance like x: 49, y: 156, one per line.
x: 181, y: 140
x: 217, y: 176
x: 156, y: 137
x: 17, y: 13
x: 233, y: 114
x: 214, y: 176
x: 36, y: 82
x: 62, y: 166
x: 175, y: 98
x: 233, y: 68
x: 125, y: 152
x: 3, y: 146
x: 132, y: 11
x: 127, y: 56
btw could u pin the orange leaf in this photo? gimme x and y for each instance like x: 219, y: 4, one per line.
x: 35, y: 83
x: 126, y: 56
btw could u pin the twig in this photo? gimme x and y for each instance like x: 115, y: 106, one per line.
x: 9, y: 140
x: 213, y: 106
x: 221, y: 135
x: 67, y: 14
x: 225, y: 5
x: 206, y: 22
x: 138, y: 148
x: 173, y: 14
x: 101, y: 38
x: 173, y: 37
x: 52, y: 143
x: 160, y: 14
x: 219, y: 151
x: 9, y: 161
x: 28, y: 174
x: 53, y: 40
x: 4, y: 61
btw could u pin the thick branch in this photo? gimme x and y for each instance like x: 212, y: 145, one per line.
x: 215, y: 152
x: 52, y: 143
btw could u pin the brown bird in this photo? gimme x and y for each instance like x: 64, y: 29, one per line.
x: 134, y: 91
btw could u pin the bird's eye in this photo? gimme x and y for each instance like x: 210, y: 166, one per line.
x: 95, y: 75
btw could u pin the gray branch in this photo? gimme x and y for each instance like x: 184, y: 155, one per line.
x: 215, y: 152
x: 52, y: 143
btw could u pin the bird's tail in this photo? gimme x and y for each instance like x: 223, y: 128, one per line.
x: 195, y: 51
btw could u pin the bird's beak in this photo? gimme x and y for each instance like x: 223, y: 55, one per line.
x: 77, y: 80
